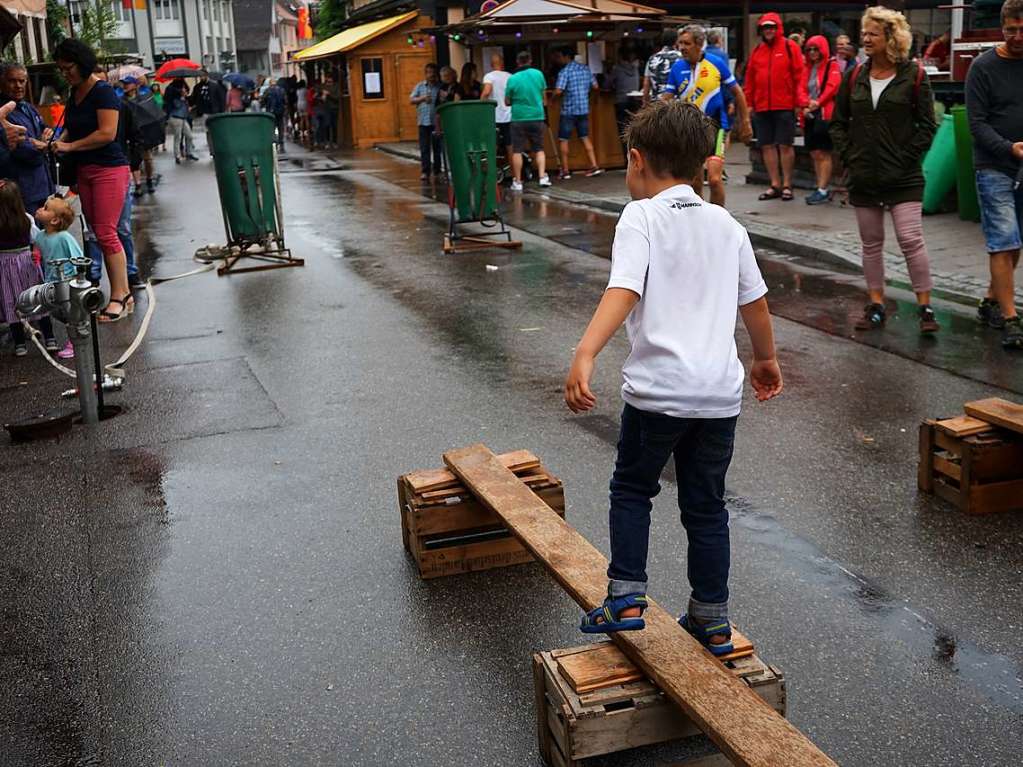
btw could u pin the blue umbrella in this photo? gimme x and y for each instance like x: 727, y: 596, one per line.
x: 238, y: 80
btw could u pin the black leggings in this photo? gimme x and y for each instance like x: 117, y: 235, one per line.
x: 18, y: 332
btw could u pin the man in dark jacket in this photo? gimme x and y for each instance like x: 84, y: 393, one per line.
x: 996, y: 121
x: 209, y: 97
x: 772, y: 87
x: 28, y: 159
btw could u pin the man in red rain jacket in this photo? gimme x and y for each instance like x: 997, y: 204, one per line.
x: 773, y: 91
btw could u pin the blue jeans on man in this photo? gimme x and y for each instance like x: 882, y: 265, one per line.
x: 124, y: 235
x: 702, y: 448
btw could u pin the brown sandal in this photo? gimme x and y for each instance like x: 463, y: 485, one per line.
x: 772, y: 193
x: 786, y: 194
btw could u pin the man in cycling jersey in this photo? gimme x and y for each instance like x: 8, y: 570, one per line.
x: 700, y: 78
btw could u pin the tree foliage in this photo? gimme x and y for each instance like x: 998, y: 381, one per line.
x: 56, y: 22
x: 330, y: 14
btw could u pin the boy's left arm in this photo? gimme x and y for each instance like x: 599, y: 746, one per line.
x: 614, y: 307
x: 765, y: 374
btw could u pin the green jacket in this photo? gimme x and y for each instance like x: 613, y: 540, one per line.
x: 883, y: 148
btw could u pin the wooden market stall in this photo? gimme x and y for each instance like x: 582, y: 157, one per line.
x: 379, y: 64
x: 595, y: 28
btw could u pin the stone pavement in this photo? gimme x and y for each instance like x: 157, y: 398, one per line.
x: 959, y: 263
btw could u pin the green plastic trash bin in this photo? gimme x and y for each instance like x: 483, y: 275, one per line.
x: 470, y: 144
x: 966, y: 184
x: 940, y: 167
x: 246, y: 170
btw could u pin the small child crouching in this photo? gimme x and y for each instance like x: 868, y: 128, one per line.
x: 680, y: 269
x: 56, y: 243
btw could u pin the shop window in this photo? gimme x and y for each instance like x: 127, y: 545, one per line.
x: 372, y: 78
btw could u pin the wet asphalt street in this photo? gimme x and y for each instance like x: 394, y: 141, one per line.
x: 217, y: 576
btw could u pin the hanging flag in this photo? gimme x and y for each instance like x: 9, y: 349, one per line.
x: 140, y: 5
x: 126, y: 4
x: 305, y: 30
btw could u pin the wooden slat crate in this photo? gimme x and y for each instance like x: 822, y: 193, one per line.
x: 447, y: 531
x: 574, y: 726
x: 981, y: 473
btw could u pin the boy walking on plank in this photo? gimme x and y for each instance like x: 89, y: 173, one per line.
x: 680, y: 267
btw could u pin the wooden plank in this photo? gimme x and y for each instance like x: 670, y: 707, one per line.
x: 946, y: 467
x: 924, y: 472
x: 748, y: 731
x: 434, y: 479
x: 604, y: 665
x: 998, y: 411
x: 540, y: 702
x: 994, y: 496
x: 963, y: 426
x: 470, y: 514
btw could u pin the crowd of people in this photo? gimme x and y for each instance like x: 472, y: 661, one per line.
x: 101, y: 150
x: 870, y: 107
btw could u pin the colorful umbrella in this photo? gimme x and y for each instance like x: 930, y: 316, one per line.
x: 126, y: 70
x: 174, y: 64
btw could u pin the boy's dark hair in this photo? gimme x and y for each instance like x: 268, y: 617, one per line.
x: 14, y: 223
x: 78, y: 53
x: 431, y: 65
x: 568, y: 51
x: 524, y: 59
x: 674, y: 138
x: 669, y: 36
x: 1012, y: 9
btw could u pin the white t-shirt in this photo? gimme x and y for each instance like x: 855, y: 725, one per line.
x: 692, y: 265
x: 498, y: 79
x: 877, y: 87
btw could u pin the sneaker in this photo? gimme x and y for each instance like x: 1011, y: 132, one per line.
x: 873, y: 317
x: 67, y: 353
x: 818, y: 197
x: 564, y: 175
x: 928, y: 322
x: 594, y: 172
x: 1012, y: 333
x: 192, y: 157
x: 20, y: 350
x: 51, y: 344
x: 545, y: 180
x: 516, y: 186
x: 989, y: 312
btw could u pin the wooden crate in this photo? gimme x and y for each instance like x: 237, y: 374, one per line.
x: 447, y: 531
x: 980, y: 472
x: 573, y: 726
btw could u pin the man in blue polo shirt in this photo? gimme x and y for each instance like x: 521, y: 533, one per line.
x: 574, y: 84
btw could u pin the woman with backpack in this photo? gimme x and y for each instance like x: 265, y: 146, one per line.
x: 882, y: 126
x: 823, y: 80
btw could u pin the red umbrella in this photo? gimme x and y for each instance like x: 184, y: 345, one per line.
x: 167, y: 66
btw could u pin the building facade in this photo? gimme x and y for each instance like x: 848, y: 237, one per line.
x: 157, y: 30
x: 31, y: 44
x: 267, y: 36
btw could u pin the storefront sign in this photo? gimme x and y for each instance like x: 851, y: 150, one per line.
x: 172, y: 45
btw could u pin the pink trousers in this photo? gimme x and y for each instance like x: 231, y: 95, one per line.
x: 908, y: 220
x: 102, y: 191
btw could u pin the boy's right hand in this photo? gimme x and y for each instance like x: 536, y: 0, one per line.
x: 765, y: 375
x: 578, y: 396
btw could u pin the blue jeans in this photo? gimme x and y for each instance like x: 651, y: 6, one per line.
x: 123, y: 234
x: 1001, y: 210
x: 702, y: 448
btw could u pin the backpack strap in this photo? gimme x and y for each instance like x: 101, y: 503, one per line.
x: 916, y: 83
x: 853, y: 77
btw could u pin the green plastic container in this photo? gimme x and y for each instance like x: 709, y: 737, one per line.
x: 940, y: 167
x: 966, y: 183
x: 246, y: 169
x: 470, y: 143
